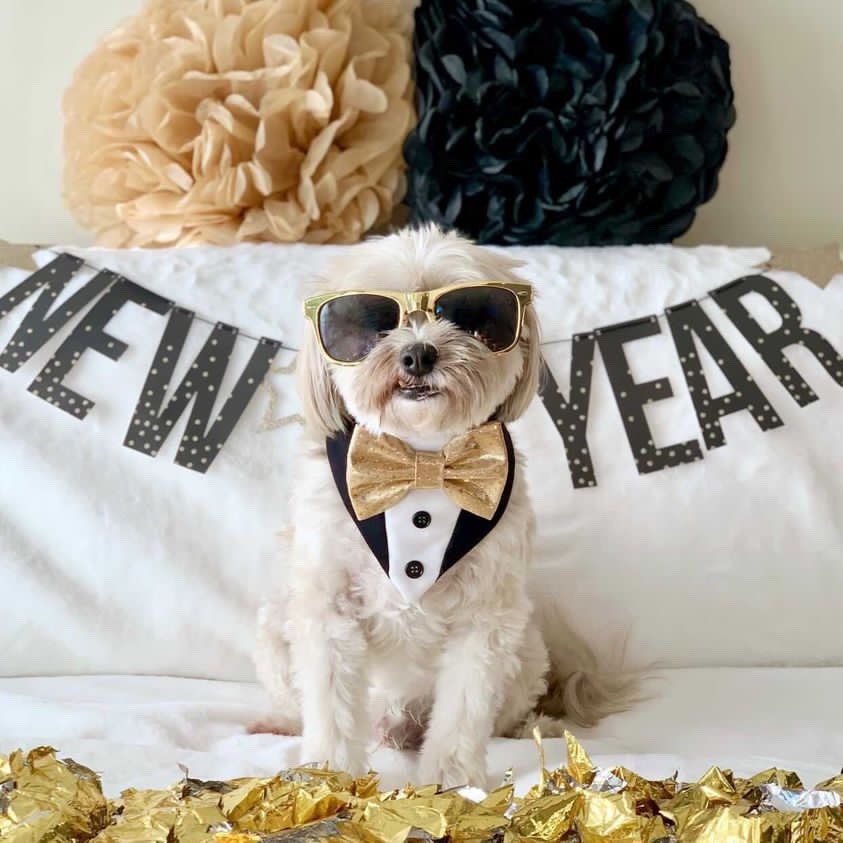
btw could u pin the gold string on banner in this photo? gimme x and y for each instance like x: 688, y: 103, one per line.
x: 819, y: 266
x: 44, y: 798
x: 271, y: 419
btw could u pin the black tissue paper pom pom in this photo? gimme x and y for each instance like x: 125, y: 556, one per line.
x: 572, y: 122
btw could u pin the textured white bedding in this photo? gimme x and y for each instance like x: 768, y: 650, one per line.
x: 114, y: 563
x: 136, y: 730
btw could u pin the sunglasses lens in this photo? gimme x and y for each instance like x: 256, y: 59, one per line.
x: 351, y: 325
x: 490, y: 314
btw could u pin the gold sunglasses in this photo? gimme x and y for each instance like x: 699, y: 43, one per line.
x: 349, y: 324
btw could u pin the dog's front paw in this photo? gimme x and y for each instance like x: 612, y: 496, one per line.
x: 452, y: 769
x: 338, y: 755
x: 275, y: 724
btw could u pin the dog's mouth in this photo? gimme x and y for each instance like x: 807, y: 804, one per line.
x: 415, y: 391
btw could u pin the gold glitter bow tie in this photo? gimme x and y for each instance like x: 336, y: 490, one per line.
x: 472, y: 470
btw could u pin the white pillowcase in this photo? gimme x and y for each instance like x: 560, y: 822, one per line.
x: 115, y: 562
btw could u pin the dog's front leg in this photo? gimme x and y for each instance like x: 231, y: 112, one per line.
x: 328, y: 655
x: 476, y: 667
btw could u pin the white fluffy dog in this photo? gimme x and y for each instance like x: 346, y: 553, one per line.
x: 345, y: 656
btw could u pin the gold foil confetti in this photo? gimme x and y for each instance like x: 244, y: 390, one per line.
x: 43, y: 798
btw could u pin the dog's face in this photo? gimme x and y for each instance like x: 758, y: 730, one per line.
x: 428, y: 377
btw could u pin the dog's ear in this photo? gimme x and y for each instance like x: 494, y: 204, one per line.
x: 527, y: 384
x: 493, y: 264
x: 323, y: 407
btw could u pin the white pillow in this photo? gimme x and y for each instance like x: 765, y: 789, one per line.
x: 113, y: 561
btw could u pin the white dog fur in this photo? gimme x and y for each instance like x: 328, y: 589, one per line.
x: 346, y: 661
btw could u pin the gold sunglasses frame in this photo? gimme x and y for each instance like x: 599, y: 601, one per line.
x: 421, y: 301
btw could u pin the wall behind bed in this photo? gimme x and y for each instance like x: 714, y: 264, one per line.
x: 782, y: 183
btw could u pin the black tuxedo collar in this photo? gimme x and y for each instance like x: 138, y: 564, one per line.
x: 470, y: 530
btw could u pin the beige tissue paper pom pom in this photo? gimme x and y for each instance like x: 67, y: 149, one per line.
x: 219, y: 121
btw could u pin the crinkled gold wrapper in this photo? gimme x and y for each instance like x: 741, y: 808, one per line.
x: 43, y: 798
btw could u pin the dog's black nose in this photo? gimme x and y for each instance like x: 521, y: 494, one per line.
x: 418, y: 358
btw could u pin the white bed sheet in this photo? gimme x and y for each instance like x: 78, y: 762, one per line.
x: 136, y: 730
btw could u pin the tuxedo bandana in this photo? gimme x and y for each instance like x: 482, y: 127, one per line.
x: 421, y: 512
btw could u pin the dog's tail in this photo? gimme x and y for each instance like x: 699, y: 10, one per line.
x: 579, y: 688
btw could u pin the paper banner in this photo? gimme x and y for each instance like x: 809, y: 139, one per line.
x: 88, y: 311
